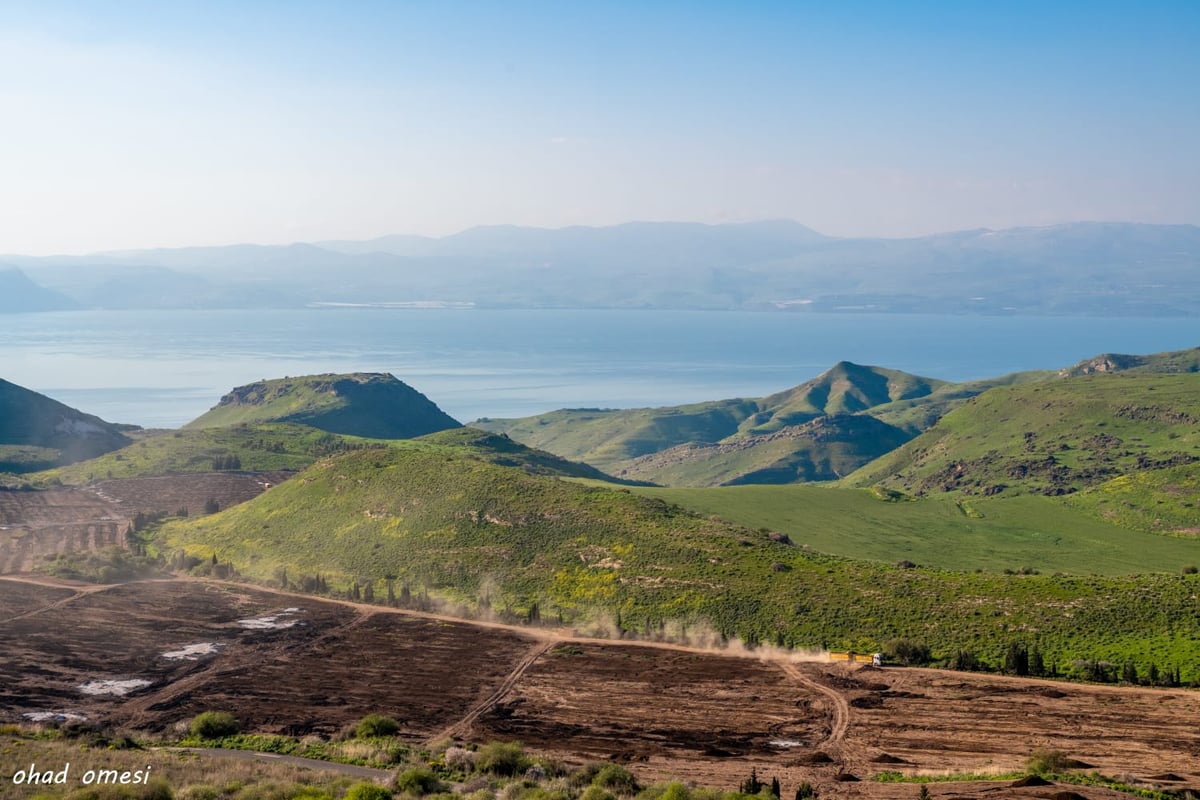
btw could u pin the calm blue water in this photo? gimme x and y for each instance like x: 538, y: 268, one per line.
x: 165, y: 368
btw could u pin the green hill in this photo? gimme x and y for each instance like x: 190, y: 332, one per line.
x: 423, y: 518
x: 822, y: 449
x: 37, y: 432
x: 249, y: 448
x: 359, y: 404
x: 733, y: 441
x: 1053, y: 437
x: 1156, y: 363
x: 288, y: 446
x: 843, y: 389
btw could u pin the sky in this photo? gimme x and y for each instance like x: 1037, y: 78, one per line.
x: 157, y: 124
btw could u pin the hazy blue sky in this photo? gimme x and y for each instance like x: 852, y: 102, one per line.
x: 137, y: 124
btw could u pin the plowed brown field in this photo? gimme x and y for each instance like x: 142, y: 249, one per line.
x: 300, y: 665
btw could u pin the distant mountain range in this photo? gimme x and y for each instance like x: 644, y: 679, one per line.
x: 1078, y: 268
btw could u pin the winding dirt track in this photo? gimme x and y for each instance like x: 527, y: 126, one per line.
x: 841, y: 708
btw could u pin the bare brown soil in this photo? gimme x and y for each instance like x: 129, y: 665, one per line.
x: 668, y: 711
x: 36, y: 525
x: 170, y: 493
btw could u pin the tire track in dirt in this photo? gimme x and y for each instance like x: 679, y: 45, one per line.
x: 80, y: 592
x: 841, y: 708
x: 459, y: 728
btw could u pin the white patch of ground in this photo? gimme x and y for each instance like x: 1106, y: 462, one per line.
x: 51, y: 716
x: 192, y: 652
x: 271, y: 622
x: 785, y: 743
x: 114, y: 687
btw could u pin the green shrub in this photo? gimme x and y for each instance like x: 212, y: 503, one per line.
x: 418, y: 781
x: 617, y: 780
x: 501, y: 758
x: 1048, y: 762
x: 375, y: 725
x: 367, y: 791
x: 214, y: 725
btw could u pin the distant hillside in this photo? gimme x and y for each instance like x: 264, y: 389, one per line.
x: 780, y: 265
x: 360, y: 404
x: 18, y: 294
x: 500, y: 450
x: 775, y: 439
x: 1154, y: 364
x: 822, y: 449
x: 1053, y: 437
x: 274, y: 446
x: 427, y: 522
x: 37, y: 432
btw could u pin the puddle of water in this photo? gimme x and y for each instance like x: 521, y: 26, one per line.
x: 785, y: 743
x: 114, y: 687
x: 192, y: 652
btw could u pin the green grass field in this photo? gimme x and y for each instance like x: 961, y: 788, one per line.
x: 991, y: 534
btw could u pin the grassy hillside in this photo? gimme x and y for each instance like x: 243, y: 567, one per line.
x: 287, y: 446
x: 1053, y: 437
x: 275, y: 446
x: 37, y: 432
x: 843, y: 389
x: 919, y: 414
x: 1158, y: 500
x: 1153, y: 364
x: 989, y: 534
x: 823, y: 449
x: 359, y: 404
x: 733, y: 441
x: 466, y: 529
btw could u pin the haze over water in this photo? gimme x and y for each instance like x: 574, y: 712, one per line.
x: 162, y: 369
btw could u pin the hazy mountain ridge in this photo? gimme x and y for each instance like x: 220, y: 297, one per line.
x: 1066, y: 269
x: 20, y: 294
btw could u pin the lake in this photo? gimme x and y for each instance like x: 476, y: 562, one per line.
x: 161, y: 369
